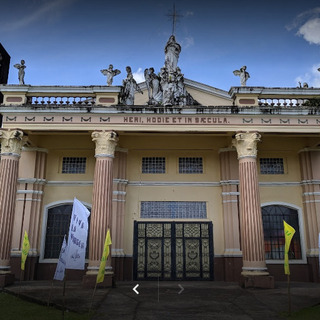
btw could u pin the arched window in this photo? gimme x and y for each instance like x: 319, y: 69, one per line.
x: 58, y: 222
x: 272, y: 217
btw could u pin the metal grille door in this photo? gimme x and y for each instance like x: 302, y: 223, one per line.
x: 173, y: 251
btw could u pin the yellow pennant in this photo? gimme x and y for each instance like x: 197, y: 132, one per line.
x: 288, y: 234
x: 105, y: 254
x: 25, y: 250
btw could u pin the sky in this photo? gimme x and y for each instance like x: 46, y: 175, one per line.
x: 68, y: 42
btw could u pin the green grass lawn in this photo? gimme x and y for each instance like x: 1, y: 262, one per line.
x: 13, y: 308
x: 307, y: 313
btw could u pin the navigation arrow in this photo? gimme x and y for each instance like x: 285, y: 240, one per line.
x: 181, y: 287
x: 135, y: 289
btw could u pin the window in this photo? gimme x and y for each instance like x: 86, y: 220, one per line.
x: 173, y: 209
x: 190, y: 165
x: 57, y: 226
x: 271, y: 166
x: 274, y: 241
x: 153, y: 165
x: 74, y: 165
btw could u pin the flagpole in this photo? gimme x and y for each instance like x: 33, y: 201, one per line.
x: 21, y: 271
x: 63, y: 296
x: 289, y: 296
x: 288, y: 235
x: 50, y: 293
x: 94, y: 291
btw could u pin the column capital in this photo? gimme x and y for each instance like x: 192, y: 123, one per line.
x: 246, y: 144
x: 12, y: 141
x: 106, y: 142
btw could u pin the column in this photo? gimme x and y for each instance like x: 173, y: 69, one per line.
x: 101, y: 212
x: 229, y: 173
x: 11, y: 145
x: 310, y: 181
x: 254, y: 270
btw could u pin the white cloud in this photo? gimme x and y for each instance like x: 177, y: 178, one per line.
x: 311, y: 31
x: 189, y: 13
x: 302, y: 17
x: 308, y: 25
x: 138, y: 75
x: 187, y: 42
x: 41, y: 12
x: 312, y: 77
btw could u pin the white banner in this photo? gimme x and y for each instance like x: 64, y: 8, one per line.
x: 77, y: 238
x: 61, y: 265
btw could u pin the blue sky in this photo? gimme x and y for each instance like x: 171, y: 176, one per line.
x: 68, y: 42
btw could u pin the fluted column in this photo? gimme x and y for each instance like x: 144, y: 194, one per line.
x: 11, y: 145
x: 252, y: 238
x: 101, y: 213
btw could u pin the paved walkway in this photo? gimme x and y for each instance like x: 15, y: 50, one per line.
x: 166, y: 300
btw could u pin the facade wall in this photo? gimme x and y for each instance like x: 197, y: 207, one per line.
x: 170, y: 186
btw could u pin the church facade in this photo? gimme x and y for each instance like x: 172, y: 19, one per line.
x: 194, y: 186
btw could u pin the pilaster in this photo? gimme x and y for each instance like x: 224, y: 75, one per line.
x: 118, y: 211
x: 310, y: 181
x: 229, y: 173
x: 29, y: 197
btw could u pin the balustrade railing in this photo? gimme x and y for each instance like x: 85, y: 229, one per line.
x: 282, y: 102
x: 61, y: 101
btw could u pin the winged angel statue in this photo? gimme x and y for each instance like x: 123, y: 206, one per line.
x: 110, y: 73
x: 244, y: 75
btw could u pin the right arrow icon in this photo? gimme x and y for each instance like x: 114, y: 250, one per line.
x: 181, y: 287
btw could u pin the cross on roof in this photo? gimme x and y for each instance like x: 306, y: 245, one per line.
x: 174, y: 15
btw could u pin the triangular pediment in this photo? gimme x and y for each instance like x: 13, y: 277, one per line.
x: 204, y: 94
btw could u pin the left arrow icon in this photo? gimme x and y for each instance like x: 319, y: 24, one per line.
x: 135, y: 289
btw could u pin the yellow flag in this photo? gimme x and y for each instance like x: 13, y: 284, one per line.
x: 105, y: 254
x: 288, y: 234
x: 25, y: 250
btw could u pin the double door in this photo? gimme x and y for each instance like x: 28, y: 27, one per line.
x: 173, y: 250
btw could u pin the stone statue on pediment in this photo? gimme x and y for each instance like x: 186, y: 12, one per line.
x: 110, y: 73
x: 172, y: 51
x: 153, y: 86
x: 168, y: 88
x: 244, y: 75
x: 21, y: 66
x: 129, y: 87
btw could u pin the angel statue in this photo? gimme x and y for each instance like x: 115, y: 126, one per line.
x: 21, y: 72
x: 244, y: 75
x: 110, y: 73
x: 129, y: 86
